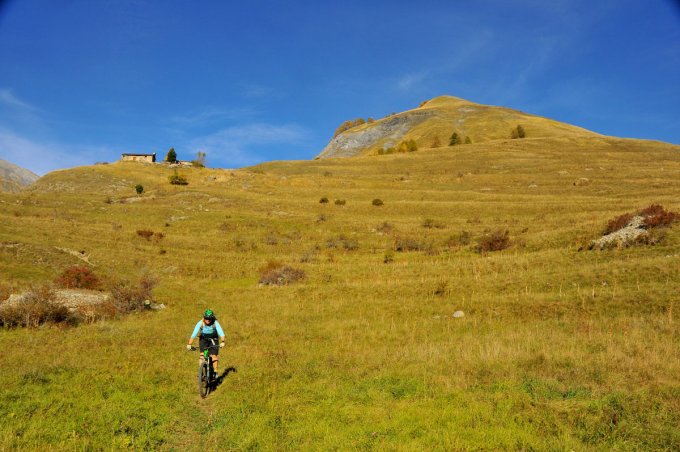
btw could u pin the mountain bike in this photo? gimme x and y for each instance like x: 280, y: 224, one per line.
x: 206, y: 373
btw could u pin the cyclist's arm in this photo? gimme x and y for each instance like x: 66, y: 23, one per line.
x: 219, y: 331
x: 193, y: 335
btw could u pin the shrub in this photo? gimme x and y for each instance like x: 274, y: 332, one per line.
x: 127, y: 297
x: 384, y: 227
x: 158, y: 236
x: 429, y: 223
x: 462, y: 239
x: 377, y: 202
x: 145, y: 233
x: 78, y: 277
x: 517, y: 132
x: 340, y: 202
x: 323, y: 200
x: 139, y: 188
x: 403, y: 244
x: 455, y: 139
x: 199, y: 161
x: 276, y: 274
x: 495, y: 241
x: 176, y: 179
x: 468, y: 140
x: 656, y: 216
x: 348, y: 125
x: 388, y: 258
x: 38, y: 307
x: 436, y: 142
x: 617, y: 223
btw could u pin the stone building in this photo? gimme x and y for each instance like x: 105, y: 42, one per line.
x: 149, y: 158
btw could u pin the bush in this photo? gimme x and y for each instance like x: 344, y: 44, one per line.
x: 656, y: 216
x: 276, y: 274
x: 145, y: 233
x: 384, y: 227
x: 78, y: 277
x: 455, y: 139
x: 617, y: 223
x: 377, y: 202
x: 403, y: 244
x: 468, y: 140
x: 323, y: 200
x: 517, y: 132
x: 139, y: 188
x: 127, y: 297
x: 176, y: 179
x: 436, y: 142
x: 38, y: 307
x: 462, y: 239
x: 429, y: 223
x: 340, y: 202
x: 495, y: 241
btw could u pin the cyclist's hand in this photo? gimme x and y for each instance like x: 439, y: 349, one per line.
x: 188, y: 347
x: 221, y: 344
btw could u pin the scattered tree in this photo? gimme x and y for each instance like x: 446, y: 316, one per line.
x: 455, y: 139
x: 176, y: 179
x: 518, y: 132
x: 200, y: 160
x: 171, y: 156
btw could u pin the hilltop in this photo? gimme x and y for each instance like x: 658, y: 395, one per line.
x: 14, y: 178
x: 437, y: 119
x: 556, y: 349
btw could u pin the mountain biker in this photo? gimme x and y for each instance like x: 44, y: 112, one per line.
x: 210, y: 330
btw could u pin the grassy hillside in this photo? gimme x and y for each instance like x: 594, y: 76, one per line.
x: 558, y: 349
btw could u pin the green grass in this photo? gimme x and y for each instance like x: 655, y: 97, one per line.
x: 558, y: 349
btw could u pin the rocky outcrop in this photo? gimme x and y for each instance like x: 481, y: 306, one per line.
x: 389, y: 130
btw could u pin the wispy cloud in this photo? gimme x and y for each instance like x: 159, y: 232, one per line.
x: 243, y: 145
x: 9, y: 100
x: 43, y: 157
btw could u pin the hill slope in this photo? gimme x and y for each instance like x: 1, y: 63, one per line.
x: 438, y: 119
x: 14, y: 178
x: 558, y: 349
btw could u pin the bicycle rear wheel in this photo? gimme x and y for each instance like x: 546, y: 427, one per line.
x: 203, y: 382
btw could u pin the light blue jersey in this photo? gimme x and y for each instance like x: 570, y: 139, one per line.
x: 207, y: 330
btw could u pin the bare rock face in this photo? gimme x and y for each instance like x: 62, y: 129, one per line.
x: 392, y: 129
x: 14, y: 178
x: 625, y: 236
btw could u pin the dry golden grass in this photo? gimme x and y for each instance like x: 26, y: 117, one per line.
x: 558, y: 349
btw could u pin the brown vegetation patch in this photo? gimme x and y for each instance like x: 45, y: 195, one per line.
x: 275, y: 273
x: 494, y: 241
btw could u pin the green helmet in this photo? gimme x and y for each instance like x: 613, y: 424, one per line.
x: 209, y: 314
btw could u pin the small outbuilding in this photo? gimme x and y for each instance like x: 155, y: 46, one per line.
x: 148, y: 158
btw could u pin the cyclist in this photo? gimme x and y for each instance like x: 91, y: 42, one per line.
x: 209, y: 329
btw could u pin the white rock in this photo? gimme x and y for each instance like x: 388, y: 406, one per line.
x: 458, y: 314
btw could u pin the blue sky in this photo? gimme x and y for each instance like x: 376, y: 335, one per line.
x: 83, y: 80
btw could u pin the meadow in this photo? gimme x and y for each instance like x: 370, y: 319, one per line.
x: 559, y: 348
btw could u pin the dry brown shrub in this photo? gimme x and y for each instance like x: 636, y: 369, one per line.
x: 403, y: 244
x: 657, y: 217
x: 78, y: 277
x: 145, y: 233
x: 276, y: 274
x: 127, y: 297
x: 38, y: 307
x: 494, y: 241
x: 617, y: 223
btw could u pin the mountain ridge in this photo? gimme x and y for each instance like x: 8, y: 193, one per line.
x: 14, y: 178
x: 435, y: 120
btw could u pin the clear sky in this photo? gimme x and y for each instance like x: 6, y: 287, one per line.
x: 250, y: 81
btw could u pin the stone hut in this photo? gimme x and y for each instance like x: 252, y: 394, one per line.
x: 148, y: 158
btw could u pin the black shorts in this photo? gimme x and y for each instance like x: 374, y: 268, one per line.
x: 213, y: 345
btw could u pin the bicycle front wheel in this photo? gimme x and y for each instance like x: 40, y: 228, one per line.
x: 203, y: 382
